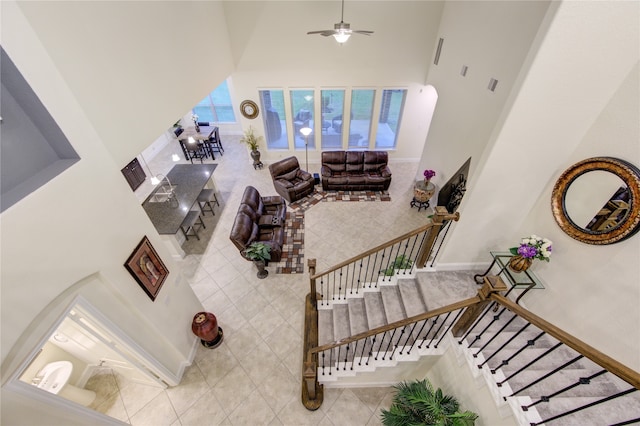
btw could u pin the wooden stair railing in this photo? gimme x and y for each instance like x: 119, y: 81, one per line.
x: 312, y: 391
x: 593, y: 364
x: 414, y: 246
x: 611, y: 365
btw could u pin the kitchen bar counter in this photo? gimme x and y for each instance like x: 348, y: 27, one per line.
x: 187, y: 180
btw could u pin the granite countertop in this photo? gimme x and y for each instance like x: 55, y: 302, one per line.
x: 188, y: 180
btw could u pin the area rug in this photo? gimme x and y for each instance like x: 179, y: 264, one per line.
x: 292, y: 261
x: 333, y: 196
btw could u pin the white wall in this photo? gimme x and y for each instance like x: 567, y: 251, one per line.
x: 134, y: 66
x: 397, y: 55
x: 455, y: 378
x: 576, y: 98
x: 476, y: 34
x: 73, y: 235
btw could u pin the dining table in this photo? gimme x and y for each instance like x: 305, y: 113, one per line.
x: 201, y: 137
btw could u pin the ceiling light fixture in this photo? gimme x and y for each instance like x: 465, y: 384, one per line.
x: 341, y: 31
x: 341, y: 36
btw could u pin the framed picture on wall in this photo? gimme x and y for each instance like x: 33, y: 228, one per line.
x: 147, y: 268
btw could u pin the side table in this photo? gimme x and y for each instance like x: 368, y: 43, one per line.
x: 526, y: 280
x: 422, y: 193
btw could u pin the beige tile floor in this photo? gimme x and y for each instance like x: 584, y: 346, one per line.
x: 254, y: 377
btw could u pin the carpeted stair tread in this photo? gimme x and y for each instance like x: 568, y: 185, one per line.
x: 341, y: 324
x: 599, y: 386
x: 491, y: 343
x: 393, y: 308
x: 443, y: 288
x: 411, y: 297
x: 547, y: 363
x: 325, y: 326
x: 357, y: 316
x: 374, y: 309
x: 614, y: 411
x: 497, y: 319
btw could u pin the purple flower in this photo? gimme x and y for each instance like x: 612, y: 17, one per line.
x: 428, y: 174
x: 527, y: 251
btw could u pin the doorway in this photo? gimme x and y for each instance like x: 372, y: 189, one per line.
x: 88, y: 346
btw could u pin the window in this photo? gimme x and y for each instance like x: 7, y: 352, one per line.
x: 302, y: 110
x: 360, y: 117
x: 390, y: 112
x: 332, y: 108
x: 272, y: 102
x: 217, y: 106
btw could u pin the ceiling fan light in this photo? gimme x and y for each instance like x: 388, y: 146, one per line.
x: 341, y: 37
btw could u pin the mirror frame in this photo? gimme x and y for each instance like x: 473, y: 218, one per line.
x: 625, y: 171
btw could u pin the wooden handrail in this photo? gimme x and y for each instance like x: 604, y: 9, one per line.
x: 374, y: 250
x: 407, y: 321
x: 442, y: 214
x: 622, y: 371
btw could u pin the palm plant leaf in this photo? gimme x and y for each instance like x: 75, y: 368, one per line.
x: 417, y: 404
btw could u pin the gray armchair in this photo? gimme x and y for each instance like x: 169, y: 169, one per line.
x: 289, y: 180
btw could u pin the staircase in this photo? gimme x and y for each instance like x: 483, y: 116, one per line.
x: 390, y: 299
x: 516, y: 358
x: 367, y: 317
x: 504, y: 351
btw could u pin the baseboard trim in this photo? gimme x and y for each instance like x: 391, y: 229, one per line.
x: 475, y: 266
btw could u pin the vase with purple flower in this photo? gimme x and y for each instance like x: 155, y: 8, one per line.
x: 428, y: 174
x: 530, y: 248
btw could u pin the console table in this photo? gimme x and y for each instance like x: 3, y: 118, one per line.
x: 526, y: 280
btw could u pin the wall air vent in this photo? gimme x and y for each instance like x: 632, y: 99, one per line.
x: 492, y: 84
x: 438, y: 51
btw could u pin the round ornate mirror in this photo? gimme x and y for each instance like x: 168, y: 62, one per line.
x: 597, y: 200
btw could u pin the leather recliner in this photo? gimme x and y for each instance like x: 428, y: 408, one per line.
x: 260, y: 219
x: 291, y: 182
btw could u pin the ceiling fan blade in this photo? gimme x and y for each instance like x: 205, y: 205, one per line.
x: 363, y: 32
x: 323, y: 32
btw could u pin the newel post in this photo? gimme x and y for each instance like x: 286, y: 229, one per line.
x: 441, y: 214
x: 492, y: 284
x: 312, y: 271
x: 312, y: 391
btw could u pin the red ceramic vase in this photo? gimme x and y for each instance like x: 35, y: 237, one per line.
x: 205, y: 326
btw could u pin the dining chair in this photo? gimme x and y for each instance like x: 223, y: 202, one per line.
x: 214, y: 141
x: 195, y: 150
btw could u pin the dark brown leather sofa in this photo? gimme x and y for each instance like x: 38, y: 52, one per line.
x: 355, y: 170
x: 259, y: 219
x: 289, y: 180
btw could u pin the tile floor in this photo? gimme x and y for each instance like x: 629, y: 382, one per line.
x: 254, y: 377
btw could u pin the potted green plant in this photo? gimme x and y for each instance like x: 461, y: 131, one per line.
x: 401, y: 262
x: 260, y: 254
x: 417, y: 403
x: 253, y: 142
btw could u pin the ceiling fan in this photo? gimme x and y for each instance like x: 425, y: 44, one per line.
x: 341, y: 31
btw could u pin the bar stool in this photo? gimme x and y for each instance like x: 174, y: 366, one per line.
x: 205, y: 198
x: 192, y: 222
